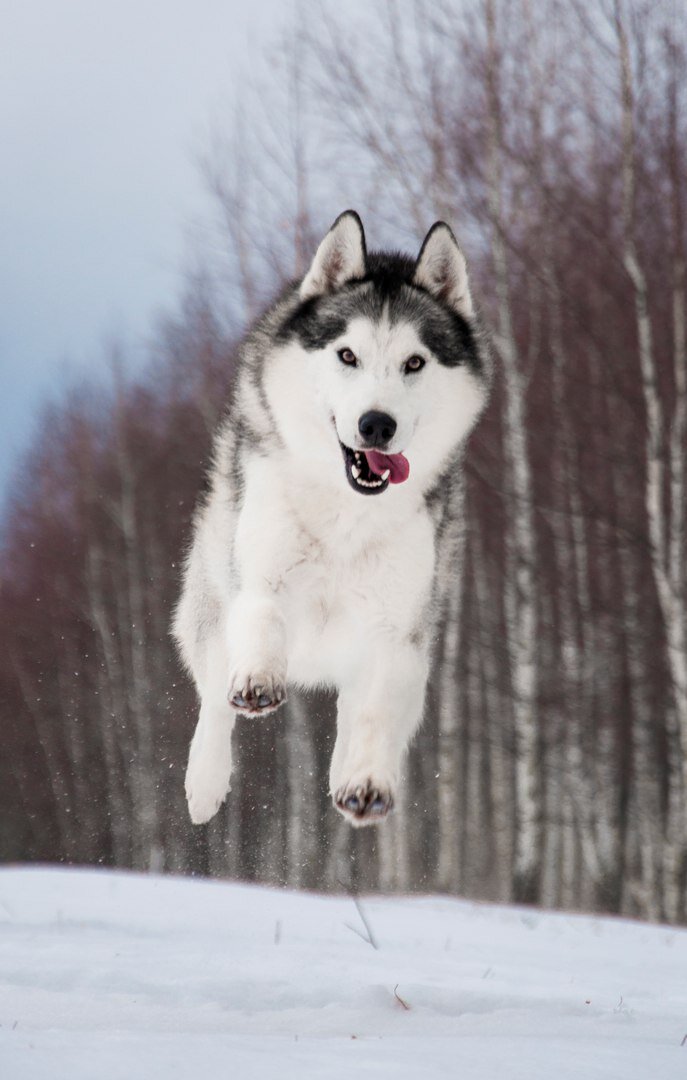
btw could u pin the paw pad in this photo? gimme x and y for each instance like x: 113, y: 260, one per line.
x: 365, y: 804
x: 258, y: 695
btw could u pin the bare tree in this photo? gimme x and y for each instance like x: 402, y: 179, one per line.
x: 552, y: 763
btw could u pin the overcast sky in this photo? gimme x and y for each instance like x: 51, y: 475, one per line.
x: 103, y: 104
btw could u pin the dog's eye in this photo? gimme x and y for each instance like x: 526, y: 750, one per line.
x: 348, y: 357
x: 416, y: 363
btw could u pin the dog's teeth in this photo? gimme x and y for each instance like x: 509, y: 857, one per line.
x: 355, y: 471
x: 386, y: 474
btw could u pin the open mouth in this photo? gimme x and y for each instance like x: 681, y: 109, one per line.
x: 370, y: 472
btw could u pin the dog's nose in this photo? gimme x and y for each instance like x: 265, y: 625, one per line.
x: 377, y: 428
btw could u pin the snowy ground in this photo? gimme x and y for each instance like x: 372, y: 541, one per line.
x: 108, y: 976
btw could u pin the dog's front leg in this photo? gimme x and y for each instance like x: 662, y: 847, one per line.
x: 377, y: 716
x: 257, y: 653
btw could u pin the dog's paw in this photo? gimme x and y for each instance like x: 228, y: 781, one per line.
x: 256, y: 695
x: 364, y: 804
x: 207, y: 786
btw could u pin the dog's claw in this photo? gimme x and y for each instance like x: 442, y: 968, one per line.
x: 257, y: 697
x: 366, y: 804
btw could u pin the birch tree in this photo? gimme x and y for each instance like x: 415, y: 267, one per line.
x: 664, y: 496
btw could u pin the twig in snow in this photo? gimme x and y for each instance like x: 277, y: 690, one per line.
x: 684, y: 1040
x: 368, y: 936
x: 359, y: 933
x: 363, y: 919
x: 398, y: 997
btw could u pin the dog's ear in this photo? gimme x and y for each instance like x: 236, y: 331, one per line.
x: 341, y: 257
x: 441, y: 270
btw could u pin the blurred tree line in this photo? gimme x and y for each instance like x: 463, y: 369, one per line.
x: 552, y: 764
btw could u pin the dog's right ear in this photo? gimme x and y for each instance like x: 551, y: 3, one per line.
x: 341, y: 257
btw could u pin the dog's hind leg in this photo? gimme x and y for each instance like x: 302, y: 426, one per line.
x: 208, y: 773
x: 377, y: 717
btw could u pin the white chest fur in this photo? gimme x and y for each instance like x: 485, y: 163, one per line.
x: 347, y: 571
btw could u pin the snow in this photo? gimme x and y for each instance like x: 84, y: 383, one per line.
x: 112, y: 976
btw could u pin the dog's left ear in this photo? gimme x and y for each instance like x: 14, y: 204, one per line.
x: 341, y: 257
x: 441, y: 270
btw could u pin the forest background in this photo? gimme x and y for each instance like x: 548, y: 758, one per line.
x: 552, y: 764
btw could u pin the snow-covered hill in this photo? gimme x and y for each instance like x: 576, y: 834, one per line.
x: 110, y: 976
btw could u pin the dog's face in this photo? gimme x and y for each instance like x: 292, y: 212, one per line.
x: 386, y: 348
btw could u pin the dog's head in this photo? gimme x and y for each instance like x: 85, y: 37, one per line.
x: 387, y: 366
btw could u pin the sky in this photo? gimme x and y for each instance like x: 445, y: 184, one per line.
x: 103, y: 109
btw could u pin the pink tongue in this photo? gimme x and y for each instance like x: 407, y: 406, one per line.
x: 396, y: 463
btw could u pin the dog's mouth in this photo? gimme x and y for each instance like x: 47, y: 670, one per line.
x: 370, y: 472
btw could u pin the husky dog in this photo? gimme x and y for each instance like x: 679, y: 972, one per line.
x: 315, y: 556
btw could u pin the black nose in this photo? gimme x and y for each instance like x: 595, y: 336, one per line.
x: 377, y: 428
